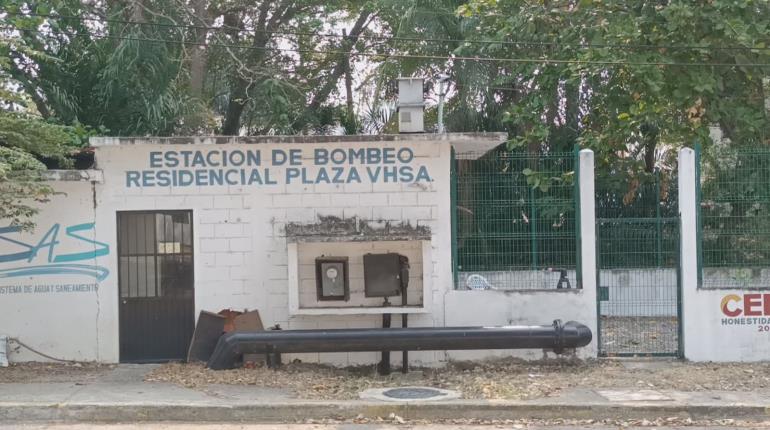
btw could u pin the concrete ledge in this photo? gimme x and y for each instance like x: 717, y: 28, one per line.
x: 345, y: 410
x: 74, y: 175
x: 485, y: 139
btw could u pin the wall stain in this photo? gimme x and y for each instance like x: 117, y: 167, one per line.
x: 334, y: 229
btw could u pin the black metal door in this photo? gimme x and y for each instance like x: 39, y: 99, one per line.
x: 156, y: 285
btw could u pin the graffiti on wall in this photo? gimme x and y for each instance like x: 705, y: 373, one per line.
x: 255, y: 167
x: 46, y: 256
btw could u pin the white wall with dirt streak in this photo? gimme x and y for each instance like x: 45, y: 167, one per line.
x: 54, y: 294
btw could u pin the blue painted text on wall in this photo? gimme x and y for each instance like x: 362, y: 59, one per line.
x: 292, y: 166
x: 42, y: 257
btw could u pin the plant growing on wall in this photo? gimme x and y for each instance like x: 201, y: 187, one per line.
x: 25, y: 144
x: 21, y: 184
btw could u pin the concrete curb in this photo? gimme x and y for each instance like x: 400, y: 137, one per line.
x: 302, y: 411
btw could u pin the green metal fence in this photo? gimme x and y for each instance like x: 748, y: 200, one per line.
x: 639, y: 295
x: 644, y: 206
x: 515, y: 220
x: 637, y: 241
x: 734, y: 217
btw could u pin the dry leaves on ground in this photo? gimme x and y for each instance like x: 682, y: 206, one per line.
x: 498, y: 379
x: 52, y: 372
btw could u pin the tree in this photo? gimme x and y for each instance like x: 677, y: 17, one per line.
x: 102, y: 64
x: 631, y: 80
x: 24, y: 142
x: 28, y: 144
x: 270, y: 89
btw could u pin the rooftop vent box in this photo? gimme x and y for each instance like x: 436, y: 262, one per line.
x: 410, y: 105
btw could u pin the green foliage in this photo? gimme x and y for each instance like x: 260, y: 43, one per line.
x: 21, y: 186
x: 614, y: 75
x: 24, y: 141
x: 516, y: 210
x: 735, y: 203
x: 126, y: 82
x: 41, y: 139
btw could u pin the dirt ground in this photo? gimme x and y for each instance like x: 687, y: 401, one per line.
x: 639, y: 335
x: 675, y: 424
x: 498, y: 379
x: 53, y: 372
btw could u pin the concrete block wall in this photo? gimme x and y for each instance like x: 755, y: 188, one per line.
x: 240, y: 244
x: 242, y: 255
x: 417, y: 203
x: 355, y: 251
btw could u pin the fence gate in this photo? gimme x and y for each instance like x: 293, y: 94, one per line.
x: 639, y: 296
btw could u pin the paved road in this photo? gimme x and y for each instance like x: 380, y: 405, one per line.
x: 157, y: 426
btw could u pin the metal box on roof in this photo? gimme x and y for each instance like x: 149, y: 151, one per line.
x: 411, y: 105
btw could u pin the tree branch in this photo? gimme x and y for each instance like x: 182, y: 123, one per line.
x: 348, y: 43
x: 29, y: 87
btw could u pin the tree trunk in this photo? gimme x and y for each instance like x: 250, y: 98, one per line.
x: 650, y: 138
x: 232, y: 123
x: 198, y: 57
x: 239, y: 92
x: 137, y: 11
x: 339, y: 69
x: 348, y: 83
x: 30, y: 88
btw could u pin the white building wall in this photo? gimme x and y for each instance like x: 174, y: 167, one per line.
x: 241, y: 249
x: 522, y: 307
x: 308, y: 252
x: 243, y: 258
x: 54, y: 299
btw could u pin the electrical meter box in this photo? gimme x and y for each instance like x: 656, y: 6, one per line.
x: 331, y: 275
x: 384, y: 273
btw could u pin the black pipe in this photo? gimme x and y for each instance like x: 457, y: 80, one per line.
x: 383, y: 368
x: 557, y: 336
x: 404, y: 277
x: 404, y: 353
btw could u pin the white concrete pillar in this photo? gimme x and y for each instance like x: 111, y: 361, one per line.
x: 688, y: 213
x: 587, y: 206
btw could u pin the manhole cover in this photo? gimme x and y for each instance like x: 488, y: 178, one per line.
x: 409, y: 394
x: 413, y: 393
